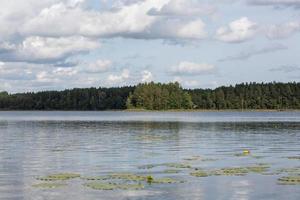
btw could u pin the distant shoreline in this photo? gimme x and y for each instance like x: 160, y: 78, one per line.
x: 215, y: 110
x: 172, y: 110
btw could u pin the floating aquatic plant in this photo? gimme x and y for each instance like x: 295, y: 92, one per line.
x: 171, y: 171
x: 208, y: 159
x: 172, y: 165
x: 96, y: 178
x: 193, y: 158
x: 199, y: 173
x: 236, y: 171
x: 149, y: 166
x: 113, y: 186
x: 128, y: 177
x: 258, y: 168
x: 59, y: 177
x: 294, y: 170
x: 178, y: 165
x: 49, y: 185
x: 150, y: 179
x: 294, y: 157
x: 166, y: 181
x: 289, y: 180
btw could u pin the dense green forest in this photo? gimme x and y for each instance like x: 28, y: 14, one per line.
x: 157, y: 96
x: 75, y: 99
x: 249, y: 96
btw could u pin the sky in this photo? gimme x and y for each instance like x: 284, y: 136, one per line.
x: 59, y: 44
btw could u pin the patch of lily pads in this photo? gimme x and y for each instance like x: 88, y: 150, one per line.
x: 200, y: 173
x: 59, y: 177
x: 113, y: 186
x: 178, y: 165
x: 289, y: 180
x: 171, y: 165
x: 231, y: 171
x: 294, y: 157
x: 171, y: 171
x: 294, y: 170
x: 165, y: 180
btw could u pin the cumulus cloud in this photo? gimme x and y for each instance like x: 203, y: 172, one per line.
x: 147, y: 76
x: 176, y: 29
x: 23, y: 77
x: 117, y: 79
x: 244, y: 55
x: 286, y: 3
x: 281, y: 31
x: 40, y: 49
x: 44, y: 31
x: 237, y: 31
x: 187, y: 83
x: 98, y: 66
x: 184, y: 8
x: 190, y: 68
x: 131, y: 20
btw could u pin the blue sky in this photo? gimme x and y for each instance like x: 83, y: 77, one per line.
x: 58, y: 44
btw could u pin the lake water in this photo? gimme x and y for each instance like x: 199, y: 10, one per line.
x: 156, y: 144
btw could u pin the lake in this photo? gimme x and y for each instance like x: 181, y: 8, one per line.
x: 149, y: 155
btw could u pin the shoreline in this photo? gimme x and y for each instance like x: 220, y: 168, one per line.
x: 172, y: 110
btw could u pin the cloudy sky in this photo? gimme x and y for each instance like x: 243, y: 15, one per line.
x: 58, y: 44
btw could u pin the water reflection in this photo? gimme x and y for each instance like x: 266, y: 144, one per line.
x: 31, y: 148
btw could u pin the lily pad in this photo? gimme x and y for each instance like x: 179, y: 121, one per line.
x: 237, y: 171
x: 294, y: 157
x: 294, y: 170
x: 258, y: 168
x: 289, y: 180
x: 166, y: 181
x: 128, y: 177
x: 193, y: 158
x: 59, y: 177
x: 150, y: 166
x: 96, y: 178
x: 178, y: 165
x: 171, y: 171
x: 199, y: 173
x: 113, y: 186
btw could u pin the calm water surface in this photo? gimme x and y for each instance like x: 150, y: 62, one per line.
x: 35, y: 144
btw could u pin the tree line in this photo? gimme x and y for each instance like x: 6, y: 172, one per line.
x: 158, y: 96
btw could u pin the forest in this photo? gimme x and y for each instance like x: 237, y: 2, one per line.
x: 159, y: 96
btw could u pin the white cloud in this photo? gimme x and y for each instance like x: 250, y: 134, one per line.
x: 192, y: 30
x: 282, y: 30
x: 116, y: 79
x: 132, y: 20
x: 237, y: 31
x: 184, y: 8
x: 98, y: 66
x: 190, y: 68
x: 147, y: 76
x: 40, y: 49
x: 70, y: 71
x: 173, y: 28
x: 187, y: 83
x: 129, y: 19
x: 287, y: 3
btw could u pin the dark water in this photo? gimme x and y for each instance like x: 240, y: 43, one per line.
x: 34, y: 144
